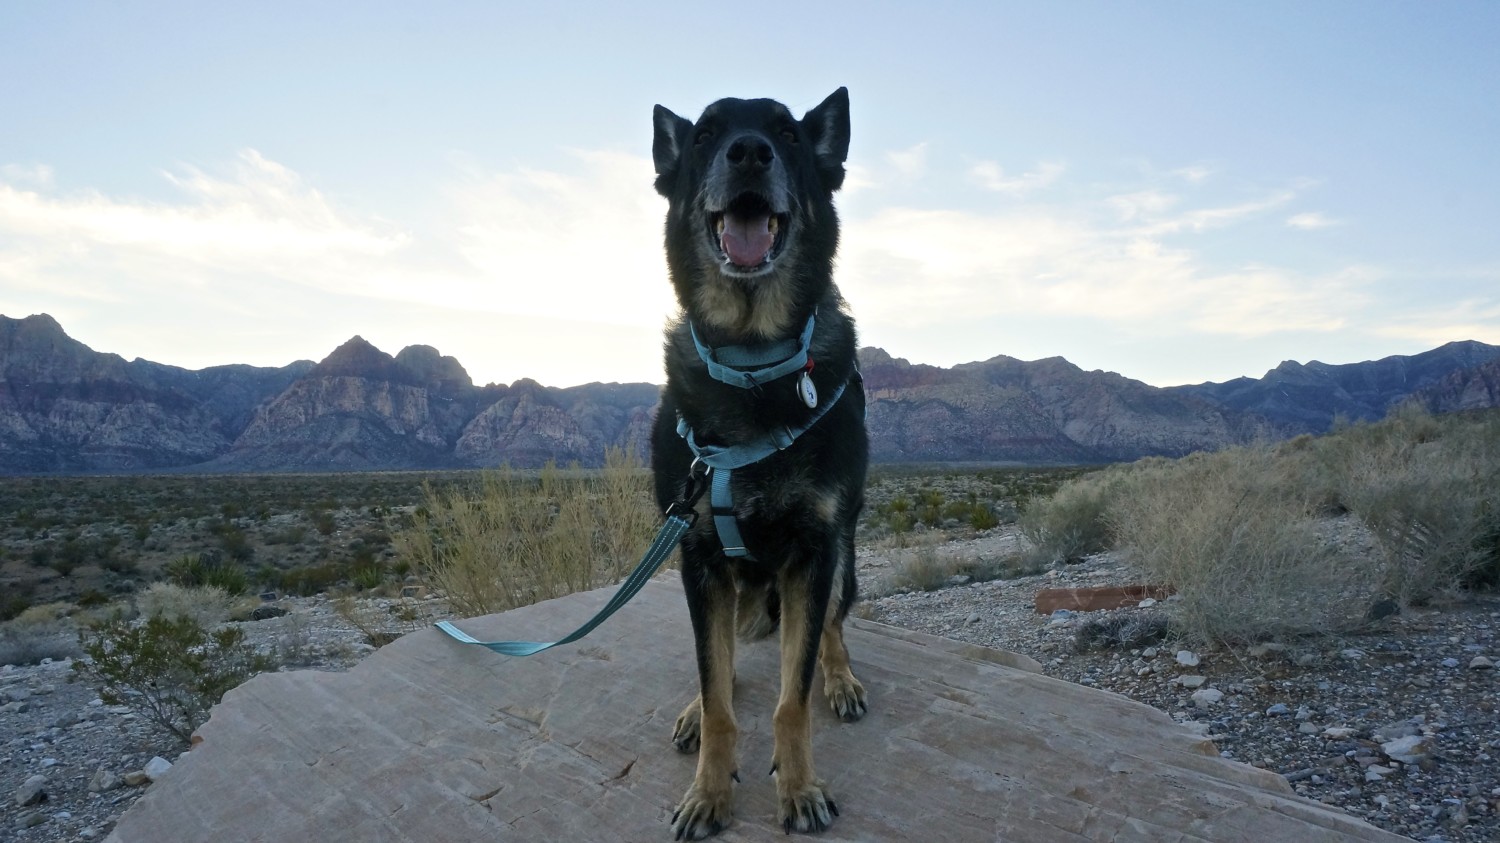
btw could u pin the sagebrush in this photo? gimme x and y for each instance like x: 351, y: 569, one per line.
x: 514, y: 540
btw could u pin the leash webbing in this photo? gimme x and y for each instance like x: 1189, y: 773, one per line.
x: 666, y: 539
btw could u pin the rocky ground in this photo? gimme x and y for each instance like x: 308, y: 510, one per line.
x: 1396, y: 725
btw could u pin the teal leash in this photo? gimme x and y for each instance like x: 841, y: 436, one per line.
x: 680, y: 518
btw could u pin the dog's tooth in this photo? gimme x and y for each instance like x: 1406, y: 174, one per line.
x: 719, y: 226
x: 773, y: 225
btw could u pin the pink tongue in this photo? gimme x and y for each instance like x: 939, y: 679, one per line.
x: 747, y: 242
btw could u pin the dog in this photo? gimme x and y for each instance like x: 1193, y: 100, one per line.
x: 760, y: 366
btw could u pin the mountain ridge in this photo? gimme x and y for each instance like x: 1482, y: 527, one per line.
x: 65, y: 408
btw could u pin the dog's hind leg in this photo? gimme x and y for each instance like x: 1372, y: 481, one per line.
x: 708, y: 805
x: 803, y: 803
x: 846, y: 696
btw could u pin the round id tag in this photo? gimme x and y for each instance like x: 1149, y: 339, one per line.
x: 807, y: 391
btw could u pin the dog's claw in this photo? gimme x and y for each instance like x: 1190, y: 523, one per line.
x: 807, y: 810
x: 735, y: 775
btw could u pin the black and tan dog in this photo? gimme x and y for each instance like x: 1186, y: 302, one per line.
x: 763, y: 403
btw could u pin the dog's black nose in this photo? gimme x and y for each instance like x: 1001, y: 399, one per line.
x: 750, y: 152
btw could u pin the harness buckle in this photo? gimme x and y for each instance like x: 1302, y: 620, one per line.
x: 692, y: 490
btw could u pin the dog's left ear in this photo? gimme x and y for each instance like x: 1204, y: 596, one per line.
x: 828, y: 126
x: 672, y: 133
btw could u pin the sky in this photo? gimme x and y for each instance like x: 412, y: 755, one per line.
x: 1178, y: 192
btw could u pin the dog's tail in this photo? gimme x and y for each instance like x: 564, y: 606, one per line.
x: 759, y: 610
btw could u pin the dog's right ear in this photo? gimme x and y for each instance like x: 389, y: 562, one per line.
x: 672, y: 133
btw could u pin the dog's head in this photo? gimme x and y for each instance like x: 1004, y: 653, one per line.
x: 751, y: 228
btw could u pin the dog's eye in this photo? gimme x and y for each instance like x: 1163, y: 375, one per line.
x: 789, y: 135
x: 703, y: 136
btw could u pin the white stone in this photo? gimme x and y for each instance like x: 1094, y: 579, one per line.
x: 156, y: 768
x: 1187, y: 658
x: 1207, y: 696
x: 1408, y: 750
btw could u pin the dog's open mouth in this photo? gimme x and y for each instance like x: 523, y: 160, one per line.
x: 749, y: 233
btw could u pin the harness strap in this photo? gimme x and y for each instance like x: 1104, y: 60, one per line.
x: 722, y: 460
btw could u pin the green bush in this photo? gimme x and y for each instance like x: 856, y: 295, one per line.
x: 981, y: 518
x: 310, y: 580
x: 368, y: 576
x: 1074, y: 521
x: 207, y: 569
x: 170, y: 670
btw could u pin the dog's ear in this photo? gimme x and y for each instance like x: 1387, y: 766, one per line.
x: 672, y: 133
x: 828, y: 126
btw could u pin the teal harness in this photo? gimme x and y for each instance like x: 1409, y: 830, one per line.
x: 733, y: 365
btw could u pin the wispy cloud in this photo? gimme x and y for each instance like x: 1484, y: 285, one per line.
x: 991, y: 176
x: 1195, y: 174
x: 908, y: 164
x: 1312, y: 220
x: 1109, y: 261
x: 259, y: 217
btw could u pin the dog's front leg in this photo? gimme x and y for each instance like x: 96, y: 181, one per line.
x: 708, y: 805
x: 803, y: 803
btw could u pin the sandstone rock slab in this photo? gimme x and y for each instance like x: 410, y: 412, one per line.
x: 430, y: 740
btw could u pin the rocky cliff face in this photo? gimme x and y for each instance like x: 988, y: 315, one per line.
x: 67, y: 408
x: 1466, y: 389
x: 361, y: 408
x: 1012, y: 410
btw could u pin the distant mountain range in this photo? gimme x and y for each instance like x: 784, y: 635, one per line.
x: 65, y: 408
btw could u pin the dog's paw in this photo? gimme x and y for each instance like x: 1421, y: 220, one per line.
x: 689, y: 726
x: 807, y: 809
x: 703, y: 812
x: 846, y: 697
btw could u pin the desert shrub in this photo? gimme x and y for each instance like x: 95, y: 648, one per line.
x: 368, y: 575
x: 1242, y: 547
x: 1426, y: 487
x: 921, y: 569
x: 236, y: 544
x: 207, y: 569
x: 381, y: 622
x: 170, y: 670
x: 514, y: 541
x: 23, y: 642
x: 310, y: 580
x: 626, y: 517
x: 324, y: 523
x: 206, y: 604
x: 293, y: 534
x: 1073, y: 522
x: 13, y: 605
